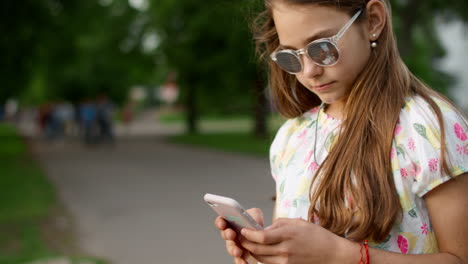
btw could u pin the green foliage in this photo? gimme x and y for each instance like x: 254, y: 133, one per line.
x: 76, y: 49
x: 418, y: 42
x: 72, y: 49
x: 19, y: 39
x: 209, y: 45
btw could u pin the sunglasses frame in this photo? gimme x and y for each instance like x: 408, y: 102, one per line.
x: 332, y: 40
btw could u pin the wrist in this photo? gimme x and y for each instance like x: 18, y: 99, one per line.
x: 347, y: 252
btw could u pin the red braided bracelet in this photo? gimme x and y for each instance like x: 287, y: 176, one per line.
x: 364, y: 245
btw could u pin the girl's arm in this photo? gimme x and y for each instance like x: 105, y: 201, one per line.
x: 448, y: 211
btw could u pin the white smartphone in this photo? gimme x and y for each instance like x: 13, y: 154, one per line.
x: 232, y: 212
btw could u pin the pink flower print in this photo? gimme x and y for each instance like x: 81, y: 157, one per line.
x: 415, y: 170
x: 314, y: 110
x: 392, y: 153
x: 314, y: 166
x: 411, y: 144
x: 287, y: 204
x: 404, y: 173
x: 424, y: 229
x: 315, y: 218
x: 403, y: 244
x: 460, y: 132
x: 302, y: 134
x: 433, y: 164
x: 308, y: 157
x: 462, y: 149
x: 397, y: 130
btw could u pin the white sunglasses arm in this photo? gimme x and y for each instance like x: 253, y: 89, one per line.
x: 350, y: 22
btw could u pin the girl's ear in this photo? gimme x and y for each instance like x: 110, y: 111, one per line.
x: 376, y: 18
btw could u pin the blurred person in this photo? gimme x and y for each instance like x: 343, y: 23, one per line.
x: 371, y: 166
x: 126, y: 116
x: 105, y: 119
x: 77, y: 120
x: 41, y: 118
x: 88, y: 114
x: 47, y: 121
x: 64, y: 118
x: 169, y: 91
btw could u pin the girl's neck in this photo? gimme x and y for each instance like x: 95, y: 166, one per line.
x: 335, y: 110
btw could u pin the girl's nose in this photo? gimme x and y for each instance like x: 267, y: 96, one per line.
x: 310, y: 69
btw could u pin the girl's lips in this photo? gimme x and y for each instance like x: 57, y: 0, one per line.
x: 323, y: 87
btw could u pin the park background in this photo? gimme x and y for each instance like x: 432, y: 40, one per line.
x: 189, y: 115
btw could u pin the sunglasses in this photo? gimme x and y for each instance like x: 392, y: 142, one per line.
x: 323, y: 52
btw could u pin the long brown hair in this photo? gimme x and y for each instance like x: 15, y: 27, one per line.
x: 359, y: 162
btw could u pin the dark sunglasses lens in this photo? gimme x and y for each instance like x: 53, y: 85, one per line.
x: 288, y: 62
x: 323, y: 53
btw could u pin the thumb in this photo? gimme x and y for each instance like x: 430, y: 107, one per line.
x: 256, y: 214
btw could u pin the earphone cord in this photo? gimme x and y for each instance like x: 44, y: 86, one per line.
x: 316, y: 130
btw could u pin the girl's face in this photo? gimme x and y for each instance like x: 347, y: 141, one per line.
x: 298, y: 25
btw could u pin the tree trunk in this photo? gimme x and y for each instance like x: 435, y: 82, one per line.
x: 260, y: 109
x: 408, y: 22
x: 192, y: 113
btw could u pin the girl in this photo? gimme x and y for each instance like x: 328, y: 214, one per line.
x: 372, y: 164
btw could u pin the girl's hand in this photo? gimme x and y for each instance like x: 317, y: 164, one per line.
x: 233, y: 246
x: 293, y: 241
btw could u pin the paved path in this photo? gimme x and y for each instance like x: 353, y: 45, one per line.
x: 141, y: 201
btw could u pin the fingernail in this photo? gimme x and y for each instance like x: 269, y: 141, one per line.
x: 244, y: 231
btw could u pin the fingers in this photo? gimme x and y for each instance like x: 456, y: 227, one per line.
x: 220, y: 223
x: 228, y: 234
x: 240, y: 255
x: 267, y: 259
x: 260, y: 249
x: 240, y: 261
x: 265, y: 237
x: 233, y: 249
x: 256, y: 214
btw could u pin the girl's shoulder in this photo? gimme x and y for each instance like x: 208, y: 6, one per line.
x: 293, y: 126
x: 418, y: 140
x: 417, y: 113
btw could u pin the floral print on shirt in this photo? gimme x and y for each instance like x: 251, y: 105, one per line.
x: 415, y: 159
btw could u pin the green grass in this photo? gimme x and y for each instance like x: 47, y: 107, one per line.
x: 179, y: 117
x: 231, y: 142
x: 237, y: 142
x: 25, y: 198
x: 24, y: 191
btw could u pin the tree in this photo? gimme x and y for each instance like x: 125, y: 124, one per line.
x: 21, y: 24
x: 209, y: 45
x: 417, y: 38
x: 72, y: 49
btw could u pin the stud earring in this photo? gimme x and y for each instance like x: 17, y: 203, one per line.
x: 373, y: 43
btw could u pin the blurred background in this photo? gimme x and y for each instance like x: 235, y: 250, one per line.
x: 117, y: 116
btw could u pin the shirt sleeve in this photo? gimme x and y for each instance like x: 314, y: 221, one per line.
x: 422, y: 140
x: 277, y: 146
